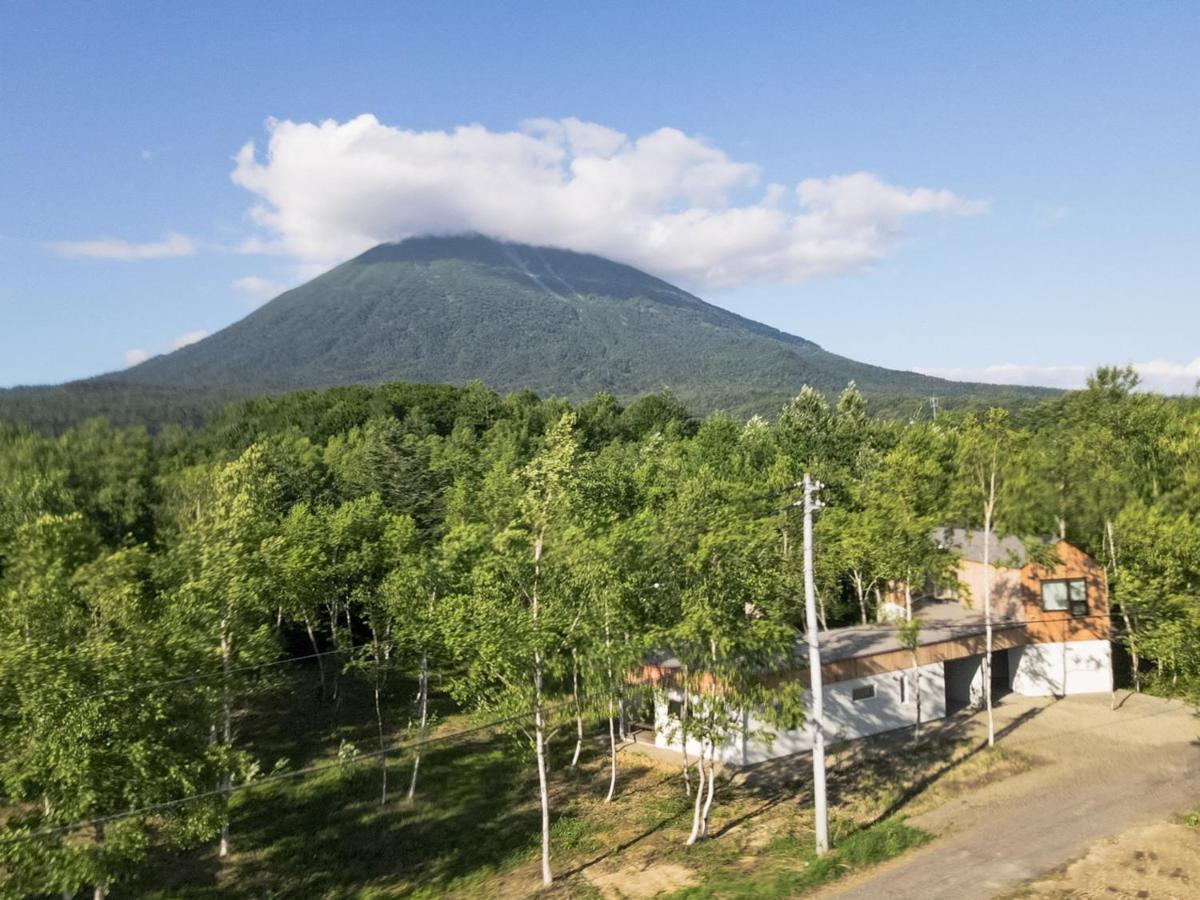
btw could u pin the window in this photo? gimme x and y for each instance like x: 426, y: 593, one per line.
x: 866, y: 692
x: 675, y: 709
x: 1068, y: 594
x: 903, y: 689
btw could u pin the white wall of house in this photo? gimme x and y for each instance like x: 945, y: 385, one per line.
x: 891, y: 707
x: 666, y: 731
x: 1073, y: 667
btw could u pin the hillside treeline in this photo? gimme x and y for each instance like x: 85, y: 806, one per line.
x: 532, y: 551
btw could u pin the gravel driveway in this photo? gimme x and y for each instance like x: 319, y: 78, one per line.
x: 1105, y: 772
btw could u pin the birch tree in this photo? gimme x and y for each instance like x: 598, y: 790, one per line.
x: 221, y: 588
x: 985, y: 449
x: 82, y: 739
x: 511, y: 626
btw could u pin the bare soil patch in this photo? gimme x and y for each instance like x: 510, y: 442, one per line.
x: 1160, y: 861
x: 638, y: 882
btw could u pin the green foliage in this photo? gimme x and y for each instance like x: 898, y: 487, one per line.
x: 150, y: 582
x: 796, y: 869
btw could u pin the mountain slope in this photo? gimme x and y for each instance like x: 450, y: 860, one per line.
x: 515, y: 316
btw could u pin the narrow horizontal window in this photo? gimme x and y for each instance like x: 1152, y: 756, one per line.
x: 866, y: 692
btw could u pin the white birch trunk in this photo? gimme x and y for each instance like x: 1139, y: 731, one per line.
x: 333, y: 636
x: 917, y: 682
x: 696, y: 809
x: 612, y: 736
x: 578, y: 711
x: 540, y: 741
x: 312, y: 639
x: 683, y: 734
x: 612, y: 745
x: 226, y: 736
x: 423, y: 700
x: 712, y: 785
x: 383, y: 773
x: 1125, y: 617
x: 538, y: 722
x: 987, y: 604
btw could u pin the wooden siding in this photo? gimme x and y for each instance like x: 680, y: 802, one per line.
x: 1054, y: 627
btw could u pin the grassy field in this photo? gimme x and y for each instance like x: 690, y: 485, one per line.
x: 473, y: 829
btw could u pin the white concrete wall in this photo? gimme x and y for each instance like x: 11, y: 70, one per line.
x: 845, y: 718
x: 666, y: 733
x: 1074, y: 667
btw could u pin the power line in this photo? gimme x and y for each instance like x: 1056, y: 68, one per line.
x: 214, y: 675
x: 316, y: 768
x: 189, y: 679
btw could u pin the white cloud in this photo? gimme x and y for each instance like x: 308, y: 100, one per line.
x: 113, y: 248
x: 140, y: 355
x: 1157, y: 375
x: 666, y: 201
x: 257, y: 289
x: 189, y: 338
x: 1047, y: 216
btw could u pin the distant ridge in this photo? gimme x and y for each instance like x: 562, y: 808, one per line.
x: 454, y: 309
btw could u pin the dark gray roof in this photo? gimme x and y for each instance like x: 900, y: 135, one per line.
x: 940, y: 621
x: 1003, y: 552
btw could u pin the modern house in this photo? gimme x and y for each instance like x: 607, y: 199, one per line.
x: 1051, y: 636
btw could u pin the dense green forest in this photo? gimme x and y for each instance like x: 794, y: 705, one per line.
x: 454, y: 309
x: 531, y: 551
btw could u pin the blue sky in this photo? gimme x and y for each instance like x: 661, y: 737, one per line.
x: 1057, y: 146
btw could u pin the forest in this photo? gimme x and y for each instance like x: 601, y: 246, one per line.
x: 530, y: 551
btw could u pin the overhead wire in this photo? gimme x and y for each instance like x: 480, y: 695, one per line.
x: 316, y: 768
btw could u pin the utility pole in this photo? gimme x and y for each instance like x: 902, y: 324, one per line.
x: 817, y: 713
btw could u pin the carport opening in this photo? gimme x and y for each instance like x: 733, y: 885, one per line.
x: 1001, y: 675
x: 964, y: 683
x: 964, y: 680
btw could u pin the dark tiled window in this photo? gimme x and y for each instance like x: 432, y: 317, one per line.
x: 1067, y: 594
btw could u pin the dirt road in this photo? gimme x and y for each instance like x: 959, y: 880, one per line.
x: 1105, y: 772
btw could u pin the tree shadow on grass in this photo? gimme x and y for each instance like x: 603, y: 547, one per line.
x: 661, y: 819
x: 319, y: 835
x: 862, y: 770
x: 316, y: 835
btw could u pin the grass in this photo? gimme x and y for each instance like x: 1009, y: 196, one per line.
x: 474, y: 828
x: 788, y: 867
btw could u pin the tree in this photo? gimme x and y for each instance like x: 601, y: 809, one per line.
x: 906, y: 496
x: 511, y: 625
x: 91, y: 723
x: 219, y: 580
x: 300, y: 572
x: 985, y: 451
x: 416, y: 592
x: 731, y: 625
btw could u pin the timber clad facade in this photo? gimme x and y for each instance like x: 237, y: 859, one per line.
x: 1051, y: 636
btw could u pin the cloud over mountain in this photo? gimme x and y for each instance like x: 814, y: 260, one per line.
x: 1163, y: 375
x: 668, y: 202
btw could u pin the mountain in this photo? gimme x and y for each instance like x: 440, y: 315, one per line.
x: 453, y: 309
